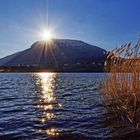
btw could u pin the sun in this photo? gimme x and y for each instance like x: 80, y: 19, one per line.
x: 46, y: 35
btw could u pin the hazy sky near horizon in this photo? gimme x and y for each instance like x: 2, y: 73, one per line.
x: 105, y: 23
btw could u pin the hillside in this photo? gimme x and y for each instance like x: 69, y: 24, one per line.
x: 57, y: 53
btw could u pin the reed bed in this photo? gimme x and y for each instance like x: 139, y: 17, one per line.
x: 122, y: 85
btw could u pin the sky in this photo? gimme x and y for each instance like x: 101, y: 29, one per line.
x: 104, y: 23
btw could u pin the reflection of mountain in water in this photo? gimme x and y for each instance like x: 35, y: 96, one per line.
x: 57, y: 53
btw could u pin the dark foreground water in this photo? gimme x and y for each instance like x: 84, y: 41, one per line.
x: 55, y: 106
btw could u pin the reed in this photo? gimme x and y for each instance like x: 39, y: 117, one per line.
x: 122, y: 84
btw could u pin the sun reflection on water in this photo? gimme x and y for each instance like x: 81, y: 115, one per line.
x: 47, y: 84
x: 48, y: 101
x: 52, y: 132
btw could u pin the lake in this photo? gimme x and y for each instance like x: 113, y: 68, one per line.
x: 61, y: 106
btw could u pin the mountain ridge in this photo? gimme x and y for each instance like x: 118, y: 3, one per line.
x: 55, y: 53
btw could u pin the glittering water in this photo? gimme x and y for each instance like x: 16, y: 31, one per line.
x: 52, y: 106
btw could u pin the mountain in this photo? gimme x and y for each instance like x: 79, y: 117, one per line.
x: 55, y: 53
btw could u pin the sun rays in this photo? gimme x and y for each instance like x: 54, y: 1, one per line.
x: 46, y: 34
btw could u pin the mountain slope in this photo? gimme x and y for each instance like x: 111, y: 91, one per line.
x: 56, y: 52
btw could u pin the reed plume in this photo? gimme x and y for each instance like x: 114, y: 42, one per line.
x: 122, y: 84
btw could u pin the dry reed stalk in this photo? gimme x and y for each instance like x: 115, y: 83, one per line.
x: 122, y: 85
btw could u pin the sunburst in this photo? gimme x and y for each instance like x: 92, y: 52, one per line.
x: 46, y: 35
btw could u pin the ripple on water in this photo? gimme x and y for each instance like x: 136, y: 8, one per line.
x: 53, y: 105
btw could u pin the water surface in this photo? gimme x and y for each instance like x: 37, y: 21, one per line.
x: 53, y: 106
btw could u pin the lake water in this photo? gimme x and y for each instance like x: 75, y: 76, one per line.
x: 60, y: 106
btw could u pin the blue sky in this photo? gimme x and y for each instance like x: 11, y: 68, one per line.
x: 105, y: 23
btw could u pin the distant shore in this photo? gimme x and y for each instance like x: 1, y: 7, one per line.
x: 15, y: 69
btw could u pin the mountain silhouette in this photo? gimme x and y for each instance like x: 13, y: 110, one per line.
x: 55, y: 53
